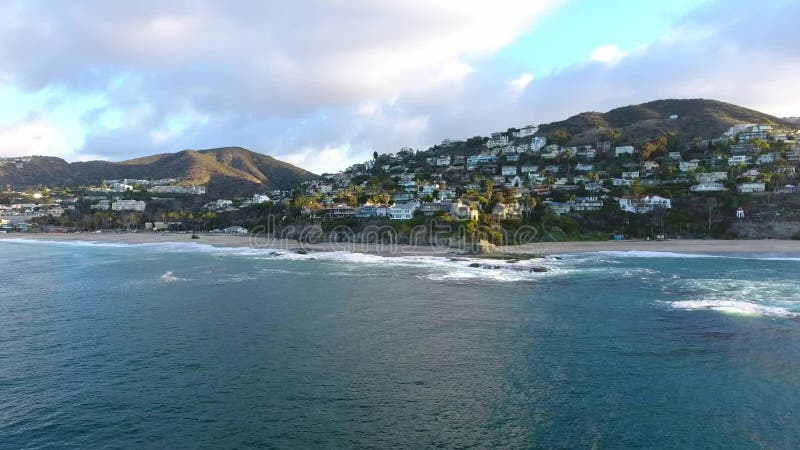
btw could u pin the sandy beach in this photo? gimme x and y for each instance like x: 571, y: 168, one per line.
x: 777, y: 248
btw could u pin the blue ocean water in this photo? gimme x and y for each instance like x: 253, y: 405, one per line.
x: 189, y: 346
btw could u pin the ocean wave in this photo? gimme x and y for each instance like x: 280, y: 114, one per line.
x: 168, y: 277
x: 735, y: 307
x: 769, y: 297
x: 657, y: 254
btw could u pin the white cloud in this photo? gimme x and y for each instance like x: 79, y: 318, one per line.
x: 607, y: 54
x: 256, y: 70
x: 34, y: 137
x: 520, y: 83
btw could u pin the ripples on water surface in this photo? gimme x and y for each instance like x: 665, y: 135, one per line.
x: 190, y: 346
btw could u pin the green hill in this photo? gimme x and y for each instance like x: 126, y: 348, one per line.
x: 696, y: 118
x: 226, y: 171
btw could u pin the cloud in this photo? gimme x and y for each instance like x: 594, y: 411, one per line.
x: 31, y: 137
x: 608, y: 54
x: 520, y: 83
x: 325, y: 84
x: 244, y: 65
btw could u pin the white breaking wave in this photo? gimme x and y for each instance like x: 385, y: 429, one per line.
x: 734, y: 307
x: 652, y: 254
x: 168, y: 277
x: 776, y: 298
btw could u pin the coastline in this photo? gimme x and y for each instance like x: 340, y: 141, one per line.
x: 764, y: 248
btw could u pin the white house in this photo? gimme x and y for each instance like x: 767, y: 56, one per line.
x: 751, y: 187
x: 514, y: 181
x: 128, y: 205
x: 688, y: 166
x: 403, y: 211
x: 538, y: 143
x: 529, y: 130
x: 508, y: 171
x: 709, y: 186
x: 587, y: 204
x: 711, y: 177
x: 443, y: 161
x: 737, y: 160
x: 461, y: 210
x: 641, y: 205
x: 529, y: 169
x: 235, y: 230
x: 650, y: 166
x: 581, y: 167
x: 766, y: 158
x: 675, y: 156
x: 102, y: 205
x: 630, y: 175
x: 624, y: 150
x: 497, y: 140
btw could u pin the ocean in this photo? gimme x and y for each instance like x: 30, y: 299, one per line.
x: 190, y: 346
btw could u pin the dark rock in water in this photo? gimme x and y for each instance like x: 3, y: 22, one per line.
x: 512, y: 268
x: 301, y: 252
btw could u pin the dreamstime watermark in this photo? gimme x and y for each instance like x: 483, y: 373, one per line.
x: 436, y: 237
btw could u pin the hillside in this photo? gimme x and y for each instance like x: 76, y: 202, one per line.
x: 697, y: 118
x: 226, y: 171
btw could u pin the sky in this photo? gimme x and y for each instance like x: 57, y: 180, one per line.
x: 322, y: 84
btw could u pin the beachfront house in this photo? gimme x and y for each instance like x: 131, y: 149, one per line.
x: 403, y: 211
x: 642, y: 205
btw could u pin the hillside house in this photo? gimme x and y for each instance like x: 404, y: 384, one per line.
x: 624, y: 150
x: 751, y: 187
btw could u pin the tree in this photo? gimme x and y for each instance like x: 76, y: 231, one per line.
x: 375, y: 155
x: 711, y: 205
x: 647, y: 151
x: 561, y: 137
x: 637, y: 187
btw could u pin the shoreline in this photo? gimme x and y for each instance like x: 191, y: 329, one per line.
x: 764, y: 248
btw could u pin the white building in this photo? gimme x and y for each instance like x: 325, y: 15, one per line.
x: 751, y: 187
x: 189, y: 190
x: 538, y: 143
x: 624, y: 150
x: 102, y: 205
x: 708, y: 187
x: 767, y: 158
x: 461, y: 210
x: 508, y: 171
x: 497, y: 140
x: 737, y: 160
x: 235, y: 230
x: 688, y: 166
x: 529, y: 130
x: 641, y: 205
x: 443, y: 161
x: 128, y: 205
x: 403, y: 211
x: 711, y: 177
